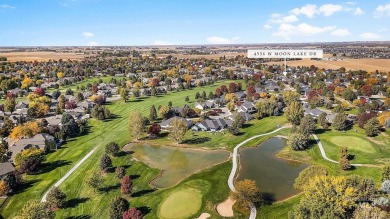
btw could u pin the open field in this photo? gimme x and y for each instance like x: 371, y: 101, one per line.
x: 41, y: 56
x: 370, y: 65
x: 210, y: 56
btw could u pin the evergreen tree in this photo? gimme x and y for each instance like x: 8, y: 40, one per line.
x: 120, y: 172
x: 112, y: 148
x: 340, y: 122
x: 105, y: 163
x: 372, y: 127
x: 153, y: 113
x: 117, y: 207
x: 56, y: 198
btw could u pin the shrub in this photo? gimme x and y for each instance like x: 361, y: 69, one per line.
x: 112, y: 148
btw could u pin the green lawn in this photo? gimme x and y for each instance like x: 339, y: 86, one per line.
x: 182, y: 203
x: 278, y: 210
x: 353, y: 143
x: 212, y: 182
x: 369, y: 150
x: 227, y: 140
x: 100, y: 133
x: 313, y: 155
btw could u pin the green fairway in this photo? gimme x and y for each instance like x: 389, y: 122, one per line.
x: 366, y: 150
x: 353, y: 142
x: 182, y: 203
x: 99, y: 133
x: 226, y: 140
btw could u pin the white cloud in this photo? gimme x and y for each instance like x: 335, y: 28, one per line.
x: 382, y: 10
x: 340, y: 32
x: 383, y: 29
x: 358, y: 11
x: 92, y: 43
x: 161, y: 42
x: 309, y: 10
x: 67, y: 3
x: 370, y: 36
x: 350, y: 3
x: 329, y: 9
x: 279, y: 18
x: 5, y: 6
x: 88, y: 34
x: 267, y: 26
x: 221, y: 40
x: 289, y: 30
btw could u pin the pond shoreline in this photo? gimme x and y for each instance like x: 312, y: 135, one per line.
x: 275, y: 156
x: 126, y: 148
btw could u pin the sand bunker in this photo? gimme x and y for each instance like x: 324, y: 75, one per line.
x: 225, y: 209
x: 204, y: 216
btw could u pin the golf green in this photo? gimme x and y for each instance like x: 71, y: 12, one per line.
x: 352, y: 142
x: 182, y: 203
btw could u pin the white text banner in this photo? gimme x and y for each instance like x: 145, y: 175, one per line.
x: 270, y: 54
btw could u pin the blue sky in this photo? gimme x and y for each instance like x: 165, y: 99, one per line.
x: 141, y: 22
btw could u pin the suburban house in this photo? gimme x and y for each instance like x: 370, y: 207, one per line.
x: 6, y: 169
x: 39, y: 141
x: 313, y: 112
x: 271, y: 86
x: 212, y: 125
x: 244, y: 115
x: 166, y: 123
x: 246, y: 107
x: 205, y: 105
x: 21, y: 105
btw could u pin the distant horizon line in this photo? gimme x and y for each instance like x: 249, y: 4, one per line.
x: 206, y: 45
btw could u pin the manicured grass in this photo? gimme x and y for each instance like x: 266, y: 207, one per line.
x: 313, y: 156
x: 278, y: 210
x: 353, y: 142
x: 99, y: 134
x: 227, y: 140
x: 181, y: 203
x: 366, y: 150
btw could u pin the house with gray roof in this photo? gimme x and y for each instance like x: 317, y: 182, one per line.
x: 247, y: 107
x: 205, y: 105
x: 212, y: 125
x: 38, y: 141
x: 167, y: 123
x: 6, y: 169
x: 313, y: 112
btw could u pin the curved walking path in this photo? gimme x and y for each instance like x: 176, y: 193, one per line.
x: 234, y: 167
x: 58, y: 183
x: 333, y: 161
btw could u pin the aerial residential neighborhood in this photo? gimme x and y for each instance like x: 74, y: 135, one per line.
x: 110, y: 114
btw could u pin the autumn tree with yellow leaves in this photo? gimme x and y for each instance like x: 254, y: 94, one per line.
x: 326, y: 197
x: 26, y: 82
x: 27, y: 130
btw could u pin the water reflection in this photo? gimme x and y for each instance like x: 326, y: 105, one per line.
x: 272, y: 175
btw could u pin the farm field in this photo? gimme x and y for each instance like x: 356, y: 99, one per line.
x: 41, y: 56
x: 209, y: 56
x: 370, y: 65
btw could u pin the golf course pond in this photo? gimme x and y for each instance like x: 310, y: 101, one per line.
x: 273, y: 175
x: 176, y: 163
